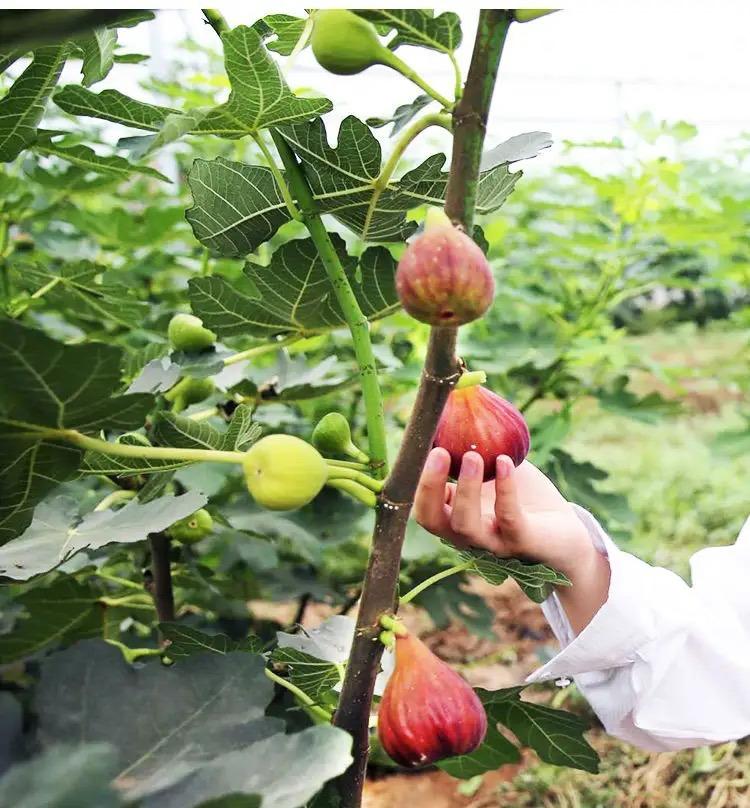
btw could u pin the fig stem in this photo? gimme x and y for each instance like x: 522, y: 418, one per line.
x: 388, y: 638
x: 386, y: 172
x: 346, y: 464
x: 340, y: 473
x: 354, y: 489
x: 391, y: 623
x: 144, y: 452
x: 433, y: 579
x: 359, y: 326
x: 393, y: 61
x: 459, y: 88
x: 133, y: 654
x: 278, y: 176
x: 299, y: 694
x: 121, y: 495
x: 259, y: 350
x: 471, y: 378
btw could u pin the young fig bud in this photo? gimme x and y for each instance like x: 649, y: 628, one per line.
x: 428, y: 712
x: 332, y: 435
x: 189, y: 391
x: 443, y: 277
x: 192, y: 528
x: 344, y: 43
x: 283, y: 472
x: 477, y: 420
x: 187, y: 333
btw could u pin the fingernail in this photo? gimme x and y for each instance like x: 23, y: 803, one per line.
x: 435, y: 461
x: 470, y: 465
x: 503, y: 466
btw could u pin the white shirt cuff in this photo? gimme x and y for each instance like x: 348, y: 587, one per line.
x: 624, y: 624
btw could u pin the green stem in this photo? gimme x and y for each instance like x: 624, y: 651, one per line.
x: 340, y: 473
x: 356, y: 320
x: 128, y: 600
x: 120, y: 495
x: 459, y: 87
x: 382, y: 180
x: 278, y: 176
x: 400, y: 65
x: 146, y: 452
x: 133, y: 654
x: 115, y: 579
x: 216, y: 20
x: 471, y: 378
x: 347, y: 464
x: 299, y: 694
x: 46, y: 288
x: 204, y: 415
x: 259, y: 350
x: 354, y: 489
x: 433, y: 579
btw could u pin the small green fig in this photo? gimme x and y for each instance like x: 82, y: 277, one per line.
x: 192, y: 528
x: 529, y: 14
x: 344, y: 43
x: 332, y: 435
x: 283, y: 472
x: 189, y: 391
x: 187, y: 333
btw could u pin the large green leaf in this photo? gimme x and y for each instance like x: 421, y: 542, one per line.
x: 312, y: 676
x: 75, y: 288
x: 87, y: 159
x: 47, y: 386
x: 536, y: 580
x: 293, y: 293
x: 237, y: 207
x: 556, y: 736
x: 61, y: 613
x: 206, y: 736
x: 184, y: 641
x: 23, y: 106
x: 418, y: 27
x: 260, y: 97
x: 56, y: 532
x: 98, y: 54
x: 64, y: 777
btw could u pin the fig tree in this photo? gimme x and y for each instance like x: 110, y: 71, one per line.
x: 428, y: 712
x: 443, y: 277
x: 283, y: 472
x: 187, y: 333
x: 477, y: 420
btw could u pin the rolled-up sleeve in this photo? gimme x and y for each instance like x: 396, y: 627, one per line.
x: 664, y: 665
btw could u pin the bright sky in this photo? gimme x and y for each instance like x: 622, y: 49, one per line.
x: 577, y: 74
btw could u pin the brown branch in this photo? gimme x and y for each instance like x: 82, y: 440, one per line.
x: 440, y: 373
x: 161, y: 582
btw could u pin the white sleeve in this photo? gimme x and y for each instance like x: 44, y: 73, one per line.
x: 663, y: 664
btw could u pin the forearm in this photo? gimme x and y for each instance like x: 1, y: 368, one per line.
x: 589, y: 577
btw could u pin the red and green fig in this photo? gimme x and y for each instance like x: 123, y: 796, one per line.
x: 428, y: 712
x: 477, y: 420
x: 443, y: 277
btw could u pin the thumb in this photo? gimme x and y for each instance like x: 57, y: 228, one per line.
x: 509, y: 515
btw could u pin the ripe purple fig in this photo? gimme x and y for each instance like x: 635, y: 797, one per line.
x: 443, y: 277
x: 477, y: 420
x: 428, y: 712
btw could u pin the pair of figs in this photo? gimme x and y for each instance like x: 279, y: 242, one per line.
x: 428, y: 712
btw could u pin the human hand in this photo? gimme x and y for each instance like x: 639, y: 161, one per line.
x: 519, y: 514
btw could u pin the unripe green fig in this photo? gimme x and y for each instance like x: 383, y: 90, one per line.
x: 529, y: 14
x: 344, y: 43
x: 187, y: 333
x: 283, y: 472
x: 192, y: 528
x: 189, y: 391
x: 332, y: 435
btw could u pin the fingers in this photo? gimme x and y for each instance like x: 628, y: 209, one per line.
x: 430, y: 498
x: 466, y: 511
x: 509, y: 516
